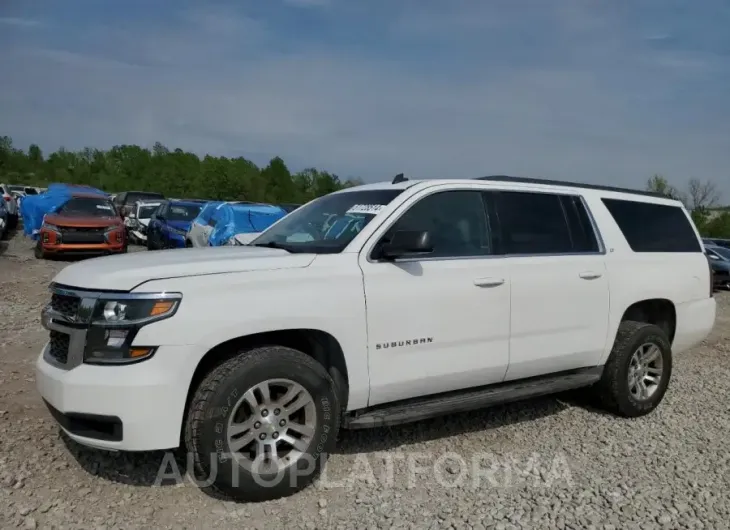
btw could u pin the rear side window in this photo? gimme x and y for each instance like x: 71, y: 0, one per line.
x: 582, y: 233
x: 532, y: 223
x: 650, y: 227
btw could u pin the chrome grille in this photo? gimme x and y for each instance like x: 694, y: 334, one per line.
x: 58, y: 346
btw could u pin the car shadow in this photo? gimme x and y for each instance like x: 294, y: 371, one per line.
x: 170, y: 468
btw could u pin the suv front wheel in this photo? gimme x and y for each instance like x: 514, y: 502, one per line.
x: 262, y: 424
x: 638, y: 370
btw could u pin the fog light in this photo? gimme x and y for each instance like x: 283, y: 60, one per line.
x: 115, y: 337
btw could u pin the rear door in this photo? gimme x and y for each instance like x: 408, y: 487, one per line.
x: 559, y: 301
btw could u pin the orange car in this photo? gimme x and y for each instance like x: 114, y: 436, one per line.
x: 85, y: 224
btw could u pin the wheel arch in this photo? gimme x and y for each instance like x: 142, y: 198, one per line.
x: 661, y: 312
x: 318, y: 344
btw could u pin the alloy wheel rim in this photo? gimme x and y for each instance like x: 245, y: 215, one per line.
x: 271, y: 426
x: 646, y: 369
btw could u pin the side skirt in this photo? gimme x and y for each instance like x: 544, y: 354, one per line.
x: 410, y: 410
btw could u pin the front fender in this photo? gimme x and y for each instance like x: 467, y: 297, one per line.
x: 217, y: 308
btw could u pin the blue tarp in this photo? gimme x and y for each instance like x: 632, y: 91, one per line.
x: 206, y: 212
x: 34, y: 207
x: 232, y: 219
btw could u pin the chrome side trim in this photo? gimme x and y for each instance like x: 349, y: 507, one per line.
x: 112, y: 295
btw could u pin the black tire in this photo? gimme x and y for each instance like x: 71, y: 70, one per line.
x: 150, y: 244
x: 12, y: 222
x: 214, y: 402
x: 613, y: 389
x: 188, y: 243
x: 38, y: 251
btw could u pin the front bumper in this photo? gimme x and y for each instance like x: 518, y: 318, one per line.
x: 129, y: 407
x: 137, y: 407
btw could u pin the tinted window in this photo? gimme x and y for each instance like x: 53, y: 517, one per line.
x: 146, y: 212
x: 582, y: 234
x: 31, y: 191
x: 456, y: 220
x: 88, y: 206
x: 650, y: 227
x: 532, y: 223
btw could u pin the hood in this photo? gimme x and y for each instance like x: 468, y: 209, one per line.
x: 126, y: 271
x: 247, y: 237
x: 82, y: 221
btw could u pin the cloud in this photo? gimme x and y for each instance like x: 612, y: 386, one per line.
x: 575, y: 91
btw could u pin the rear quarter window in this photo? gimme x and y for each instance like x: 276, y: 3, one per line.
x: 650, y: 227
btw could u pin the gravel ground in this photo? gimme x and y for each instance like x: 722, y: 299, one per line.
x: 547, y: 463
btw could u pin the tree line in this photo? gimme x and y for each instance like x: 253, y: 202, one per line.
x: 178, y: 173
x: 174, y: 173
x: 702, y: 199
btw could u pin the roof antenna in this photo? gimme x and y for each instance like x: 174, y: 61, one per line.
x: 399, y: 178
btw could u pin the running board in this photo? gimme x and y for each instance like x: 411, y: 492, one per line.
x: 411, y: 410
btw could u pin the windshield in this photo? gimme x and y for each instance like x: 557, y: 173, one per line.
x: 88, y: 206
x: 146, y: 211
x: 30, y: 191
x: 328, y: 224
x: 180, y: 212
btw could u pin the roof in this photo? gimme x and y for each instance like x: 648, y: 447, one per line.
x: 521, y: 182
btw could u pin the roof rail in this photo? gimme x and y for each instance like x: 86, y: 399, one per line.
x: 529, y: 180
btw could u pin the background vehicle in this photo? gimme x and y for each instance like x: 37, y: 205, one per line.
x: 720, y: 262
x: 170, y: 223
x: 137, y: 220
x: 11, y: 205
x: 288, y: 208
x: 232, y: 223
x: 82, y: 224
x: 3, y: 220
x: 201, y: 228
x: 25, y: 190
x: 717, y: 242
x: 124, y: 201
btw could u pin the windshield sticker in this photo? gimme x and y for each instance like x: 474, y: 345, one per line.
x: 372, y: 209
x: 103, y: 207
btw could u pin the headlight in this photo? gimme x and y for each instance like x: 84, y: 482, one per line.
x: 50, y: 227
x: 116, y: 321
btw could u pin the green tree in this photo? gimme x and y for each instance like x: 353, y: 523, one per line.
x: 173, y: 172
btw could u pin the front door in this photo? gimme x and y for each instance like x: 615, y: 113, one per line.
x: 439, y: 322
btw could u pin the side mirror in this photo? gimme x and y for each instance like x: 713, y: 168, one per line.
x: 406, y: 243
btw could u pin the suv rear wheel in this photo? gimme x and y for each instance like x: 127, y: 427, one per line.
x: 262, y: 424
x: 638, y: 370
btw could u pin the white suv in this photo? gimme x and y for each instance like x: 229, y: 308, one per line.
x: 375, y: 305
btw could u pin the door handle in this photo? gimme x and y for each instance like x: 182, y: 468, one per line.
x: 590, y: 275
x: 488, y: 282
